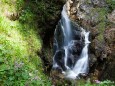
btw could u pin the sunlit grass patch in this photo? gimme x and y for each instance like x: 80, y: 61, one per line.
x: 19, y: 44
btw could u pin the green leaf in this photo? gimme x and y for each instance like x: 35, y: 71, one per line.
x: 1, y: 61
x: 11, y: 78
x: 25, y: 75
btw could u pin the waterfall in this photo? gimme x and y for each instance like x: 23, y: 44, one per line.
x: 66, y: 27
x: 70, y: 48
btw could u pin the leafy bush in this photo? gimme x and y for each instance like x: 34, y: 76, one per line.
x: 19, y: 75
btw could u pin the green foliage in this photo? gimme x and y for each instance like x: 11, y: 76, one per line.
x: 19, y: 75
x: 102, y: 20
x: 14, y: 75
x: 107, y: 83
x: 97, y: 83
x: 19, y: 4
x: 46, y: 9
x: 27, y: 16
x: 111, y: 4
x: 19, y: 43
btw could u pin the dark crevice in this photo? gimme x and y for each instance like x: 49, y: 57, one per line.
x: 48, y: 26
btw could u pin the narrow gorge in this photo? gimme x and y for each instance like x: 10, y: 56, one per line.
x: 57, y: 42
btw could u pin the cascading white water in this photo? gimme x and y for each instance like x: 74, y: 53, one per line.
x: 67, y: 33
x: 69, y: 55
x: 81, y: 66
x: 66, y: 26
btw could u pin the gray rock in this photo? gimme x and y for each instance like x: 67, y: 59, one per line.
x: 93, y: 59
x: 111, y: 17
x: 100, y: 3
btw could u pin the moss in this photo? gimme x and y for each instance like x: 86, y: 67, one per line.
x: 101, y: 27
x: 88, y: 2
x: 100, y: 38
x: 102, y: 13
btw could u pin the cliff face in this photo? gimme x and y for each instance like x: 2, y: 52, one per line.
x: 98, y: 17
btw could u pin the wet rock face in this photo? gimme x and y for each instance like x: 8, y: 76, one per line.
x: 59, y: 58
x: 94, y: 16
x: 74, y: 50
x: 76, y: 47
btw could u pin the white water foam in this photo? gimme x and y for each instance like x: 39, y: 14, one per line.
x: 82, y: 64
